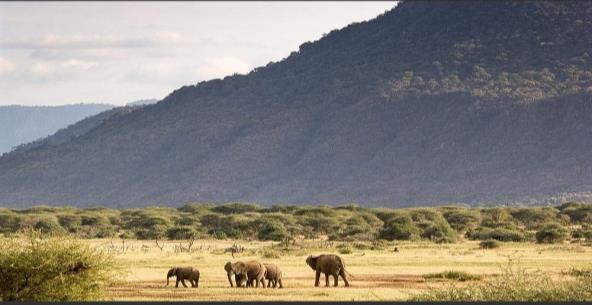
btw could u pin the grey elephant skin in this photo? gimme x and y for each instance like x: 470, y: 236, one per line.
x: 329, y: 264
x: 182, y: 274
x: 251, y: 270
x: 273, y: 275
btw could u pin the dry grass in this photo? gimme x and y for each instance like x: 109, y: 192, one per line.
x: 377, y: 275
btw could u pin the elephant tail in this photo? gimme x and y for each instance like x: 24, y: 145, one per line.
x: 343, y: 267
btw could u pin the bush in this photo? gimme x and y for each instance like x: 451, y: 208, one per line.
x: 489, y: 244
x: 271, y: 230
x: 181, y: 232
x: 499, y: 234
x: 10, y: 222
x: 400, y: 227
x: 71, y: 270
x: 514, y: 284
x: 344, y: 249
x: 49, y: 225
x: 552, y: 233
x: 460, y: 276
x: 270, y: 254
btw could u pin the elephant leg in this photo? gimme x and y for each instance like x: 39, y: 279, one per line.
x: 317, y: 278
x: 326, y: 279
x: 183, y: 282
x: 177, y: 283
x: 342, y: 273
x: 263, y: 282
x: 279, y: 281
x: 336, y: 277
x: 268, y: 283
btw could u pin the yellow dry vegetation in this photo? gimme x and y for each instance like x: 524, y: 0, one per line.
x: 377, y: 274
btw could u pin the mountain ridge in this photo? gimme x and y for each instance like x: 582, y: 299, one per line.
x: 431, y: 102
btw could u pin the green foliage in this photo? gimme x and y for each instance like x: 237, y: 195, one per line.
x: 46, y: 268
x: 350, y: 223
x: 489, y: 244
x: 49, y: 225
x: 271, y: 230
x: 344, y: 249
x: 460, y: 276
x: 514, y: 284
x: 181, y: 232
x: 400, y: 227
x: 552, y: 233
x: 500, y: 234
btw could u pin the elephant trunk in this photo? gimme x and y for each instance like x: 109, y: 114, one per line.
x: 168, y: 277
x: 230, y: 280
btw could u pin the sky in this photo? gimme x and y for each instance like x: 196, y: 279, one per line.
x: 56, y: 53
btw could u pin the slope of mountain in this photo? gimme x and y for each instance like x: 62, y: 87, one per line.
x: 431, y: 102
x: 77, y: 129
x: 22, y: 124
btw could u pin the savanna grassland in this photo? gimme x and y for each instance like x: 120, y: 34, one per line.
x: 377, y: 274
x: 421, y: 253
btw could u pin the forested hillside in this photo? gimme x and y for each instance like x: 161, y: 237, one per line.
x: 431, y: 102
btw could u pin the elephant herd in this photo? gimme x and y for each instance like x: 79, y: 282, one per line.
x: 253, y: 273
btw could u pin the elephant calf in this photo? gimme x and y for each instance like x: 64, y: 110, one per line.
x: 273, y: 275
x: 182, y: 274
x: 329, y: 264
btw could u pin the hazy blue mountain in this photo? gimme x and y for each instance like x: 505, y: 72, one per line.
x: 431, y: 102
x: 23, y: 124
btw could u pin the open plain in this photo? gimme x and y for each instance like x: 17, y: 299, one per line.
x: 377, y: 274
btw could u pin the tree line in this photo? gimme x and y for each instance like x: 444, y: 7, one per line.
x: 443, y: 224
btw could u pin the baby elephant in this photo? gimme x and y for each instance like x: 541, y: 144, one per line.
x: 182, y: 274
x: 273, y: 275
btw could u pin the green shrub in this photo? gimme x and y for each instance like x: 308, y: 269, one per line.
x: 40, y: 268
x: 271, y: 230
x: 400, y: 227
x: 49, y: 225
x: 10, y: 222
x: 460, y: 276
x: 181, y: 232
x: 552, y: 233
x: 489, y: 244
x: 344, y: 249
x: 270, y: 254
x: 499, y: 234
x: 514, y: 284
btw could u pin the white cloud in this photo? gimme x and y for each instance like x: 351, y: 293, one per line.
x: 220, y: 67
x: 5, y: 66
x: 95, y: 41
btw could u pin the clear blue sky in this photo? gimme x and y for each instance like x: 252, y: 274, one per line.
x: 54, y: 53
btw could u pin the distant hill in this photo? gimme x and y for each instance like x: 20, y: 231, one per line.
x: 432, y: 102
x: 23, y: 124
x: 142, y: 102
x: 77, y: 129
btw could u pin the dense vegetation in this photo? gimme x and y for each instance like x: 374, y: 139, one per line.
x: 569, y: 221
x: 41, y: 267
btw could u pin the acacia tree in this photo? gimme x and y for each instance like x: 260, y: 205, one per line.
x: 35, y: 267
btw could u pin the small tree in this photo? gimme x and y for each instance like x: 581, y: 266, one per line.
x: 552, y: 233
x: 42, y: 268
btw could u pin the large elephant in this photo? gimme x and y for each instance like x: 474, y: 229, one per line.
x: 329, y: 264
x: 252, y: 270
x: 273, y: 275
x: 182, y: 274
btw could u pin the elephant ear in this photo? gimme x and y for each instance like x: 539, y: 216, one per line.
x: 228, y: 267
x: 312, y: 262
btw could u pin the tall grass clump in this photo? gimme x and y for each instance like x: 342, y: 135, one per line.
x: 37, y: 267
x: 460, y: 276
x: 515, y: 284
